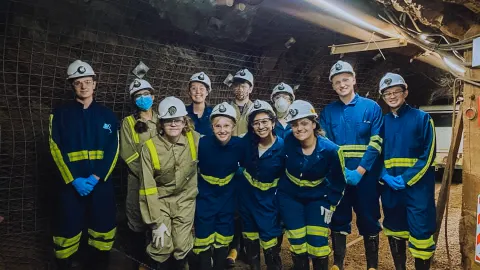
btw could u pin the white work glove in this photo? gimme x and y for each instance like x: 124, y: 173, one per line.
x: 327, y: 214
x: 158, y: 236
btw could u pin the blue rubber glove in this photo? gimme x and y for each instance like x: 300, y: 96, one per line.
x: 353, y: 177
x: 91, y: 180
x: 395, y: 183
x: 82, y: 187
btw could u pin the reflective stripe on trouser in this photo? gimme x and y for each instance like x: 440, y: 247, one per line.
x: 364, y: 199
x: 306, y: 229
x: 72, y: 213
x: 213, y: 222
x: 177, y: 215
x: 132, y: 205
x: 410, y: 214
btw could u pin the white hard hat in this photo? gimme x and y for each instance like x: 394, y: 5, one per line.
x: 171, y: 107
x: 282, y: 88
x: 79, y: 69
x: 390, y: 80
x: 203, y: 78
x: 139, y: 84
x: 244, y: 74
x: 260, y: 105
x: 300, y: 109
x: 341, y: 67
x: 224, y: 109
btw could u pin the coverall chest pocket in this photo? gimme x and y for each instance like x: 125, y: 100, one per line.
x: 166, y: 176
x: 363, y: 129
x: 190, y: 169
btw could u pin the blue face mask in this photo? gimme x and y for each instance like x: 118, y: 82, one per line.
x: 144, y: 102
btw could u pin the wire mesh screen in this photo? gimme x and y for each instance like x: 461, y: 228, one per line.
x: 40, y: 38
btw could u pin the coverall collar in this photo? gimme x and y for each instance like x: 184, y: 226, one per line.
x: 181, y: 141
x: 403, y: 109
x: 354, y: 100
x: 154, y: 118
x: 275, y: 147
x: 206, y: 110
x: 318, y: 148
x: 78, y: 103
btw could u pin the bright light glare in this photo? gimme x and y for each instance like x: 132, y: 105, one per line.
x: 452, y: 65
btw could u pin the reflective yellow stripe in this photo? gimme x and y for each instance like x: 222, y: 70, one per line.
x: 217, y: 245
x: 101, y: 245
x: 199, y: 250
x: 318, y: 251
x: 251, y: 235
x: 353, y: 154
x: 153, y: 154
x: 85, y: 155
x: 132, y: 158
x: 342, y: 164
x: 268, y: 244
x: 131, y: 122
x: 65, y: 253
x: 422, y: 243
x: 376, y: 138
x: 191, y: 143
x: 353, y: 147
x: 304, y: 183
x: 297, y: 233
x: 222, y: 239
x: 260, y: 185
x: 400, y: 162
x: 218, y: 181
x: 420, y: 174
x: 106, y: 235
x: 148, y: 191
x: 57, y: 156
x: 66, y: 242
x: 376, y: 146
x: 114, y: 162
x: 299, y: 249
x: 317, y: 230
x: 398, y: 234
x: 421, y: 254
x: 204, y: 241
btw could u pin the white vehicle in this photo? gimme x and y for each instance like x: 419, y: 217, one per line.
x: 442, y: 118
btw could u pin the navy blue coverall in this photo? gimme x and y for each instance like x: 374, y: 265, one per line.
x: 409, y: 151
x: 84, y: 142
x: 281, y: 131
x: 202, y: 124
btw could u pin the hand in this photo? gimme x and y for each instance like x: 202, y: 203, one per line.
x: 82, y: 186
x: 353, y: 177
x: 327, y: 214
x: 158, y: 235
x: 395, y: 183
x: 92, y: 180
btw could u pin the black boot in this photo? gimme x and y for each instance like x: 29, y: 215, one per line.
x: 97, y: 259
x: 219, y: 255
x: 181, y: 264
x: 137, y: 247
x: 272, y: 256
x: 64, y: 264
x: 320, y: 263
x: 253, y: 253
x: 203, y: 261
x: 300, y: 261
x: 339, y: 242
x: 371, y: 251
x: 398, y: 247
x: 169, y: 264
x: 422, y: 264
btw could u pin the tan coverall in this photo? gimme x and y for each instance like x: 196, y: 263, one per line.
x: 242, y: 121
x: 130, y: 147
x: 168, y: 191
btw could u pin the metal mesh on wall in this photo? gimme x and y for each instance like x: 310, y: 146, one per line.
x: 38, y: 39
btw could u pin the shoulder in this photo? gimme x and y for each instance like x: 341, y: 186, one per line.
x: 63, y: 108
x: 289, y: 139
x: 105, y: 111
x: 331, y: 106
x: 369, y: 102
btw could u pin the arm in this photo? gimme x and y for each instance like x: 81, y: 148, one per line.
x: 104, y: 167
x: 148, y: 189
x: 55, y: 149
x: 128, y: 150
x: 374, y: 148
x: 413, y: 174
x: 324, y: 125
x: 336, y: 178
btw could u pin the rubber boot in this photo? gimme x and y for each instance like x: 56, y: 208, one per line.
x: 180, y: 264
x: 398, y: 247
x: 203, y: 261
x: 371, y: 251
x: 320, y: 263
x: 300, y: 261
x: 272, y: 256
x: 97, y: 259
x: 219, y: 255
x: 236, y: 244
x: 64, y: 264
x: 422, y: 264
x: 166, y: 265
x: 253, y: 253
x: 136, y: 248
x: 339, y: 242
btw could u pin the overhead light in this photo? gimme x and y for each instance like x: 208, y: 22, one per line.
x: 455, y: 67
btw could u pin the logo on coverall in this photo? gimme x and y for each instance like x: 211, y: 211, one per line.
x: 107, y: 127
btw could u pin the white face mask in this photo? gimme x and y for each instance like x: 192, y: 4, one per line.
x: 282, y: 105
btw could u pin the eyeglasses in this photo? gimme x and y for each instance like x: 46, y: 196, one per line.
x: 261, y: 122
x: 392, y: 94
x: 80, y: 83
x: 174, y: 121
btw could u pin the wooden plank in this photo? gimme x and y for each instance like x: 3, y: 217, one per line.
x: 368, y: 46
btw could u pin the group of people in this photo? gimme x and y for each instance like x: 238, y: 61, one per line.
x: 202, y: 180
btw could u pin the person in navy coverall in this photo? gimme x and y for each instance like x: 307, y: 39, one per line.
x: 355, y: 123
x: 84, y: 146
x: 408, y: 180
x: 199, y: 87
x: 311, y: 187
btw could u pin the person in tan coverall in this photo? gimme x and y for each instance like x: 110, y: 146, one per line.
x: 135, y: 130
x: 169, y: 185
x: 242, y: 85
